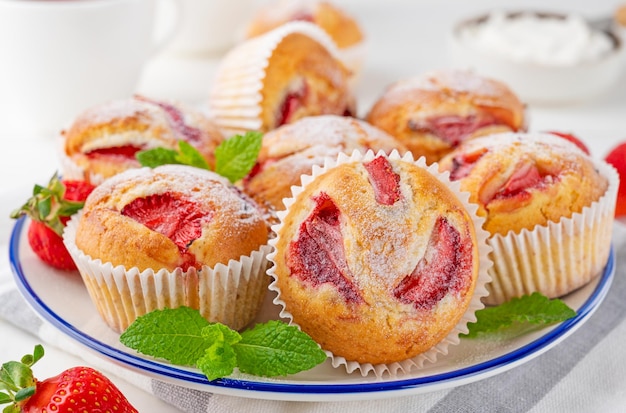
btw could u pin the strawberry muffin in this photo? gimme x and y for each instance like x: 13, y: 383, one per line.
x: 103, y: 140
x: 291, y: 151
x: 548, y: 206
x: 171, y: 236
x: 433, y: 113
x: 342, y: 28
x: 380, y: 260
x: 279, y: 77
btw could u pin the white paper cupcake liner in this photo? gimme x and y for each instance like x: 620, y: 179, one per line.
x: 231, y: 294
x: 235, y: 99
x: 557, y: 258
x: 431, y: 355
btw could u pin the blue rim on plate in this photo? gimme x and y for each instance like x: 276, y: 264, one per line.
x: 503, y: 362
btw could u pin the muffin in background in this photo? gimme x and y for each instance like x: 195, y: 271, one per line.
x: 171, y: 236
x: 547, y: 205
x: 342, y: 28
x: 434, y: 112
x: 279, y: 77
x: 290, y: 151
x: 102, y: 140
x: 381, y: 260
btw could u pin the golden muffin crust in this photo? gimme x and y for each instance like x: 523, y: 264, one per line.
x: 302, y: 79
x: 201, y: 220
x: 376, y: 260
x: 291, y: 151
x: 523, y: 180
x: 433, y: 113
x: 342, y: 28
x: 103, y: 140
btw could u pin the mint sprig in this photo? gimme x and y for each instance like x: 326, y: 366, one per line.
x: 234, y: 157
x: 182, y: 336
x: 185, y: 155
x: 519, y: 316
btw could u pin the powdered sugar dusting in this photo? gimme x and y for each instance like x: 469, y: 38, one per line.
x: 202, y: 185
x: 328, y: 130
x: 541, y: 145
x: 452, y: 81
x: 386, y: 254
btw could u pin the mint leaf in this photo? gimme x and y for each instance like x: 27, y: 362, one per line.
x: 277, y: 349
x: 157, y: 157
x: 185, y: 155
x: 188, y: 155
x: 235, y: 156
x: 219, y: 359
x: 183, y: 336
x: 519, y: 316
x: 220, y: 332
x: 172, y: 334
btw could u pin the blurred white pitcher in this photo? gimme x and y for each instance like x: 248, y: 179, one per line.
x: 210, y: 27
x: 59, y: 57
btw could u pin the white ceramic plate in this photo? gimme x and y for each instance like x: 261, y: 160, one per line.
x: 61, y: 299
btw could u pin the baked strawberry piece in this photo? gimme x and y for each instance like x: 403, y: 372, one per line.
x: 49, y: 209
x: 433, y: 113
x: 104, y: 140
x: 377, y: 260
x: 170, y: 236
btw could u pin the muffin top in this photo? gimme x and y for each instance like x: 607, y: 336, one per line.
x: 104, y: 139
x: 435, y: 112
x: 168, y: 217
x: 342, y: 28
x: 520, y: 180
x: 291, y: 151
x: 376, y: 260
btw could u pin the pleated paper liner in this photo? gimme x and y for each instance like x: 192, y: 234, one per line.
x: 557, y: 258
x: 235, y: 100
x: 452, y: 338
x: 230, y: 293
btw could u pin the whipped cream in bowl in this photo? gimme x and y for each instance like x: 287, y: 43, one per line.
x: 546, y: 58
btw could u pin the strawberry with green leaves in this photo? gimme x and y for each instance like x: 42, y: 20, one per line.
x: 50, y: 208
x: 78, y: 389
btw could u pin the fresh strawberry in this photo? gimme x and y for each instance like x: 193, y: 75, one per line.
x: 78, y: 389
x: 617, y: 158
x: 49, y: 209
x: 576, y: 141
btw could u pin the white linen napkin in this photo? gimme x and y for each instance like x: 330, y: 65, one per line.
x: 586, y: 372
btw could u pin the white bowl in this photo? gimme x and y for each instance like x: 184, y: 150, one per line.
x: 539, y: 83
